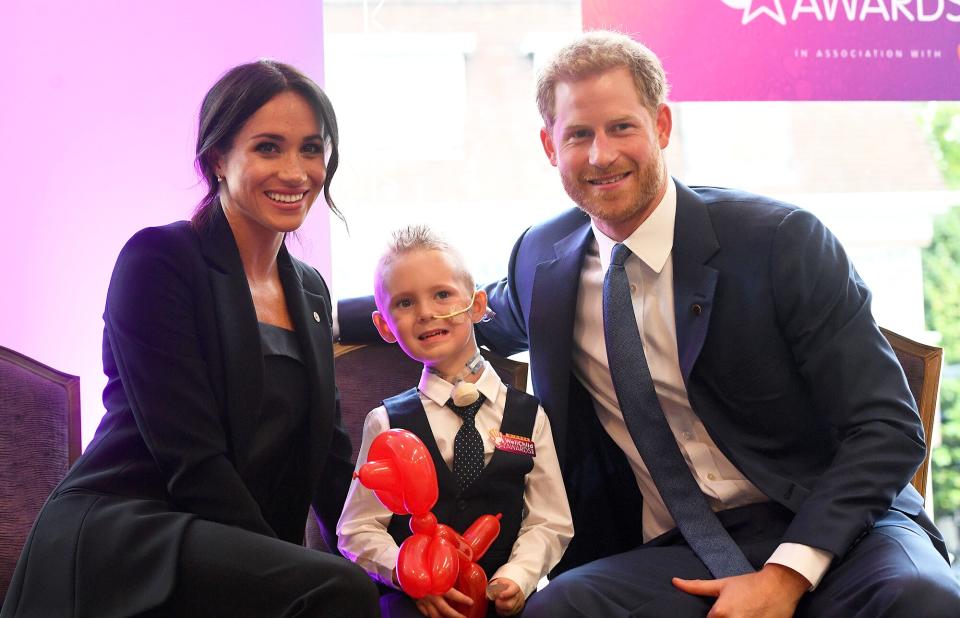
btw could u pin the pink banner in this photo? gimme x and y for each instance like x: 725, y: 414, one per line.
x: 795, y: 50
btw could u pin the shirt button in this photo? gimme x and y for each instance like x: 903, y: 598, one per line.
x: 712, y: 476
x: 687, y: 435
x: 633, y: 288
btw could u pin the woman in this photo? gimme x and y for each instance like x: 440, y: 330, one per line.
x: 221, y: 422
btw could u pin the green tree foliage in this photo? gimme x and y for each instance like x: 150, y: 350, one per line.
x: 941, y: 274
x: 943, y: 125
x: 941, y: 283
x: 946, y: 458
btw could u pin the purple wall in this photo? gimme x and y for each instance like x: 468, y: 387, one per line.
x: 98, y: 105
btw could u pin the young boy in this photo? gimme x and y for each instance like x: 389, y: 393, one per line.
x: 426, y: 302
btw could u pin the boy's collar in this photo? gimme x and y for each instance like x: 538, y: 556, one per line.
x: 439, y: 390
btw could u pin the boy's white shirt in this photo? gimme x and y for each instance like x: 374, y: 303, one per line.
x: 546, y: 528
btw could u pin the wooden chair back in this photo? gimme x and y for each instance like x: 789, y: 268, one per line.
x: 921, y: 364
x: 40, y: 416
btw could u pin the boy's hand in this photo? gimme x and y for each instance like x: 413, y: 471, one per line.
x: 510, y: 599
x: 434, y: 606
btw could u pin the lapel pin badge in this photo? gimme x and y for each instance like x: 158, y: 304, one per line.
x: 696, y: 308
x: 316, y: 316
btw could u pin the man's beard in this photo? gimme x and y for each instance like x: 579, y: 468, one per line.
x: 650, y: 180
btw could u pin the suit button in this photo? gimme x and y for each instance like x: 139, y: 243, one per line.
x: 461, y: 505
x: 696, y: 309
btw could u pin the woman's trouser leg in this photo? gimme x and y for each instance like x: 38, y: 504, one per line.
x: 227, y: 571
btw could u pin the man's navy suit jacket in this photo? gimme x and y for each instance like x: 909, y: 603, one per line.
x: 779, y: 352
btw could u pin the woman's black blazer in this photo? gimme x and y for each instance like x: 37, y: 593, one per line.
x: 185, y: 379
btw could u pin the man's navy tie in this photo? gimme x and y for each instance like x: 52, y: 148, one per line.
x: 652, y: 435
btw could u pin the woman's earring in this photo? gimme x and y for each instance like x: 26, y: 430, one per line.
x: 219, y: 178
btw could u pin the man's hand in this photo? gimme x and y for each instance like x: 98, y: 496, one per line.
x: 773, y: 591
x: 510, y: 599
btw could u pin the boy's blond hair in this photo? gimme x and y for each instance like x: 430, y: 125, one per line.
x: 418, y: 238
x: 595, y: 52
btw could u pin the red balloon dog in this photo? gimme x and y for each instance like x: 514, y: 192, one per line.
x: 435, y: 558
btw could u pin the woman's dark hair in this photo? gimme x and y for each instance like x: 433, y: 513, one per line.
x: 229, y: 104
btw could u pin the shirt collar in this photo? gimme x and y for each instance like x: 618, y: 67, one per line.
x: 652, y: 242
x: 439, y: 390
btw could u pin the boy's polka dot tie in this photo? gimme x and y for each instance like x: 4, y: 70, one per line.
x: 467, y: 444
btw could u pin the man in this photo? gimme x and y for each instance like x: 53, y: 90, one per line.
x: 721, y: 333
x: 755, y: 343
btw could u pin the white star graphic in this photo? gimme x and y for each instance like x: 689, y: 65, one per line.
x: 750, y: 13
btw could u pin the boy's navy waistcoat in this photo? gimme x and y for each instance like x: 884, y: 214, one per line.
x: 498, y: 490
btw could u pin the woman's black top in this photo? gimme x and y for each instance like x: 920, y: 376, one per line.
x: 278, y: 460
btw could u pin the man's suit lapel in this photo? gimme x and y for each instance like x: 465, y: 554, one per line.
x: 237, y: 323
x: 552, y: 316
x: 694, y: 283
x: 308, y: 312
